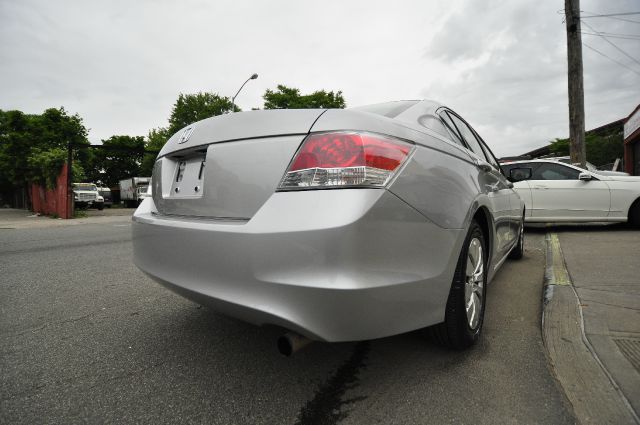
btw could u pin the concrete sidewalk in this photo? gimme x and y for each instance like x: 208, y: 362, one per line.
x: 591, y: 320
x: 24, y: 219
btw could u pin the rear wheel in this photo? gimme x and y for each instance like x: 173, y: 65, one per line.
x: 465, y: 306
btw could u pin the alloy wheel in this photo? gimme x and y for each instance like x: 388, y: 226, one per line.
x: 474, y: 283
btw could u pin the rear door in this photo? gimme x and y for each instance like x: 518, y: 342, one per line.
x: 558, y: 194
x: 493, y: 183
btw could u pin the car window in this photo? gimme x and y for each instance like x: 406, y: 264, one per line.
x: 548, y: 171
x: 455, y: 136
x: 506, y: 169
x: 487, y: 152
x: 469, y: 137
x: 588, y: 166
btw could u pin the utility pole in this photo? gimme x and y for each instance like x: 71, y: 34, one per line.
x: 576, y: 85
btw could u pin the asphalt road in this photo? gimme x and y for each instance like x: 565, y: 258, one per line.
x: 87, y: 338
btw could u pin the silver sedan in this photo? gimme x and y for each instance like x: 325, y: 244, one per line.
x: 338, y: 225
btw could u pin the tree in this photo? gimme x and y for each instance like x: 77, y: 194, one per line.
x: 290, y: 98
x: 119, y: 158
x: 190, y: 108
x: 156, y: 139
x: 31, y: 146
x: 601, y: 148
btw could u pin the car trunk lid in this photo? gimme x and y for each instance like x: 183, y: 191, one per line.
x: 226, y: 167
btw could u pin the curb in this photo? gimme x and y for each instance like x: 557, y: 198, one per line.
x: 589, y: 387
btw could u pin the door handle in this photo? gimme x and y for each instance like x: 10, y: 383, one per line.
x: 540, y: 187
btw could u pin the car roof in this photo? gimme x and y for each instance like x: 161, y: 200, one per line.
x: 426, y: 105
x: 545, y: 161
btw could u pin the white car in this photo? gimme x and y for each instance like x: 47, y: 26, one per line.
x: 556, y: 192
x: 590, y: 167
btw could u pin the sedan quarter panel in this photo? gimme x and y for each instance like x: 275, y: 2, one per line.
x: 441, y: 186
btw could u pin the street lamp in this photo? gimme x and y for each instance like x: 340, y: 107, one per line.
x: 233, y: 99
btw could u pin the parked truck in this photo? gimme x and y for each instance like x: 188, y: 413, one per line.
x: 86, y: 195
x: 133, y: 190
x: 105, y: 192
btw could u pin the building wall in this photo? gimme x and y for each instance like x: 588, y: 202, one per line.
x: 52, y: 201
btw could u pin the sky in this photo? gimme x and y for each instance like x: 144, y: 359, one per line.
x: 501, y: 65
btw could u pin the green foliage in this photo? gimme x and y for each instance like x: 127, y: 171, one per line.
x: 290, y: 98
x: 604, y: 149
x: 190, y: 108
x: 119, y: 158
x: 560, y: 147
x: 79, y: 213
x: 92, y: 160
x: 45, y: 165
x: 77, y: 172
x: 15, y: 145
x: 601, y: 149
x: 156, y: 139
x: 33, y: 147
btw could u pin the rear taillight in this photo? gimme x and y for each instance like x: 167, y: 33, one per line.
x: 345, y: 159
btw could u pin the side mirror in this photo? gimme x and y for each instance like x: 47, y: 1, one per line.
x: 519, y: 174
x: 585, y: 176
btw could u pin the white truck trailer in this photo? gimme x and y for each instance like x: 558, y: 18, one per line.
x: 133, y: 190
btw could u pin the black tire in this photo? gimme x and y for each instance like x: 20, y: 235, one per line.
x: 100, y: 207
x: 634, y: 214
x: 518, y: 251
x: 456, y: 331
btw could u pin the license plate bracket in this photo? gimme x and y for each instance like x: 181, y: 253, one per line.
x: 188, y: 177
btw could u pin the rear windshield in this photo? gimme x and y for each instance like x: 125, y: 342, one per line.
x: 388, y: 109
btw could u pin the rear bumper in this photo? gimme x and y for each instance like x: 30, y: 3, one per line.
x: 334, y: 265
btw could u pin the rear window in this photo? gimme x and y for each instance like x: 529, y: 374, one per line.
x: 388, y: 109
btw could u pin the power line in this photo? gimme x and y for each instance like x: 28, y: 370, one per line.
x: 610, y: 42
x: 609, y: 15
x: 610, y: 58
x: 595, y: 15
x: 611, y: 35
